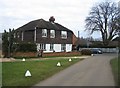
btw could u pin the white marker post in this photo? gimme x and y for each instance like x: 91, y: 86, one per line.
x: 28, y: 74
x: 70, y: 60
x: 23, y: 59
x: 58, y: 64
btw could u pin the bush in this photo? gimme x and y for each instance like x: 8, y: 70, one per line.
x: 26, y: 47
x: 86, y: 52
x: 115, y: 69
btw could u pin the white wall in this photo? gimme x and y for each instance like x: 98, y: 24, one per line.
x: 47, y: 47
x: 57, y: 47
x: 68, y: 47
x: 38, y: 46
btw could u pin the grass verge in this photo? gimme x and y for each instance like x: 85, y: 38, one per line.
x: 13, y: 72
x: 115, y: 68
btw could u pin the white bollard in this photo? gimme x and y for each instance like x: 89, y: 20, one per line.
x: 92, y: 54
x: 23, y: 59
x: 28, y: 74
x: 70, y: 60
x: 58, y: 64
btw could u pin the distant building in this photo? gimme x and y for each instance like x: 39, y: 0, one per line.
x: 48, y: 35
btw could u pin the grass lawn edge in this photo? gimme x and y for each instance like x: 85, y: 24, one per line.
x: 114, y: 66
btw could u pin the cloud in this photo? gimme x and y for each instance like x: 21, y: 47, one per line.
x: 69, y: 13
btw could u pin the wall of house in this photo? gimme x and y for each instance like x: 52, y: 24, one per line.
x: 56, y: 40
x: 29, y: 36
x: 62, y: 54
x: 33, y: 54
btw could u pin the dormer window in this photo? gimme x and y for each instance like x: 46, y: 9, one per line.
x: 44, y: 32
x: 52, y: 33
x: 64, y: 34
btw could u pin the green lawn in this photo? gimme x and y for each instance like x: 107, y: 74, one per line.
x: 116, y: 69
x: 13, y: 72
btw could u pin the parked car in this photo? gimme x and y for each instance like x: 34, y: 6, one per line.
x: 96, y: 51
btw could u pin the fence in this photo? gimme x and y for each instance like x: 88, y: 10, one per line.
x: 104, y: 50
x: 109, y: 50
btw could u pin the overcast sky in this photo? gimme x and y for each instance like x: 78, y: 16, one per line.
x: 69, y: 13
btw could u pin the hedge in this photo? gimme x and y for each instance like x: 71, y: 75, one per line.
x: 25, y: 47
x: 86, y: 52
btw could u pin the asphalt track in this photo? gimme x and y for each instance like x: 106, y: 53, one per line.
x: 93, y: 71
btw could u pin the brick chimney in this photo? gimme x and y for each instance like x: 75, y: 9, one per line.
x: 52, y: 19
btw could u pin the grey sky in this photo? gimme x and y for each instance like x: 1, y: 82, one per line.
x: 69, y: 13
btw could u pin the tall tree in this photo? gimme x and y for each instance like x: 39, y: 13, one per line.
x: 8, y: 42
x: 5, y: 43
x: 104, y: 18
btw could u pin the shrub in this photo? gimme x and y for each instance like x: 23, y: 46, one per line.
x: 86, y: 52
x: 26, y: 47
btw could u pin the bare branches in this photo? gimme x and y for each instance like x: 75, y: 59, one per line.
x: 104, y: 18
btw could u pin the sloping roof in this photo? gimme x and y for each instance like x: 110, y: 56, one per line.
x: 41, y: 24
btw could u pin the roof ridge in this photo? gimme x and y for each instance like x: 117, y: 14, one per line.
x: 41, y: 23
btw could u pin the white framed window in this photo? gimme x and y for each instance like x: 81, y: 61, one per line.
x: 52, y: 33
x: 51, y: 47
x: 22, y: 36
x: 14, y: 35
x: 18, y: 35
x: 64, y: 34
x: 63, y: 47
x: 42, y: 46
x: 44, y: 32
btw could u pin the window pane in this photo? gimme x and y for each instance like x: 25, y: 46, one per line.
x: 63, y: 47
x: 42, y: 46
x: 51, y: 47
x: 14, y: 35
x: 64, y: 34
x: 44, y: 32
x: 52, y: 33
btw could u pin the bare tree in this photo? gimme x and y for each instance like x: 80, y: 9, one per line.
x: 105, y: 18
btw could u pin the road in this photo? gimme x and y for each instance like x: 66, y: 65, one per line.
x: 93, y: 71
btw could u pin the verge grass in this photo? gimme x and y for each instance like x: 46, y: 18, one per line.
x: 116, y: 69
x: 13, y: 72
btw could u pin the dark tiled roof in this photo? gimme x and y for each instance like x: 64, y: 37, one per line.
x: 40, y: 24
